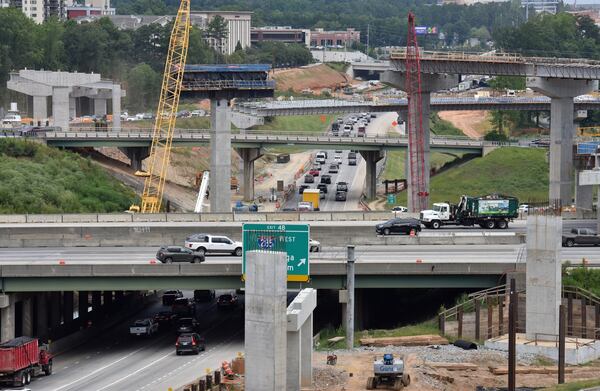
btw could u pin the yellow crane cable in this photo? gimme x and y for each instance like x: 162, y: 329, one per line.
x: 164, y: 125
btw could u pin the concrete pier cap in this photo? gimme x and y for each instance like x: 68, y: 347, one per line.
x: 430, y: 82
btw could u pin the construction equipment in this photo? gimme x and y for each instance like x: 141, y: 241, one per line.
x: 388, y: 371
x: 414, y: 123
x: 164, y: 125
x: 331, y: 358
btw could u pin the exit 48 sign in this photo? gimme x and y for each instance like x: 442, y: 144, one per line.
x: 289, y: 238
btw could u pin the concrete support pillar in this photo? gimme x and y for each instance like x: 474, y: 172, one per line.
x: 68, y: 306
x: 562, y: 129
x: 220, y: 156
x: 60, y: 107
x: 584, y: 196
x: 543, y: 273
x: 42, y: 315
x: 265, y: 328
x: 249, y: 155
x: 55, y: 311
x: 306, y: 352
x: 96, y: 303
x: 83, y: 305
x: 371, y: 159
x: 294, y: 351
x: 40, y: 109
x: 72, y: 107
x: 28, y: 317
x: 7, y: 317
x: 107, y: 298
x: 136, y: 156
x: 116, y: 107
x: 99, y: 107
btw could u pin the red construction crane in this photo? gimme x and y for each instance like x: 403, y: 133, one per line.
x: 416, y: 135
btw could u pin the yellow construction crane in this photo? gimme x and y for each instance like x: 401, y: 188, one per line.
x: 164, y: 125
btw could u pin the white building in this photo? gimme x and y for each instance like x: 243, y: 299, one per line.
x: 238, y: 28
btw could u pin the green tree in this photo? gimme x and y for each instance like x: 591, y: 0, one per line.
x: 217, y: 31
x: 49, y: 38
x: 143, y: 88
x: 501, y: 83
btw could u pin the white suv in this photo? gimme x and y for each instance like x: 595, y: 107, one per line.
x: 204, y: 243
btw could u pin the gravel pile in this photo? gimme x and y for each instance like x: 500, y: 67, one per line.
x: 326, y: 377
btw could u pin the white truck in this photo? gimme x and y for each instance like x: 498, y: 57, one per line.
x: 145, y: 327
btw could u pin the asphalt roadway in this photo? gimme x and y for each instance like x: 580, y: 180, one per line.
x: 115, y: 361
x: 379, y: 253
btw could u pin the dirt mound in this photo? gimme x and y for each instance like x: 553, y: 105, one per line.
x: 312, y: 77
x: 473, y: 123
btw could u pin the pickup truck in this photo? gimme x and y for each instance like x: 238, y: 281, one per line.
x: 145, y: 327
x: 580, y: 236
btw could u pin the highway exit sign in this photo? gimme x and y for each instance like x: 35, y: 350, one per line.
x: 289, y: 238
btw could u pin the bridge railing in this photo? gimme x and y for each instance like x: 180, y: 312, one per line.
x: 499, y: 57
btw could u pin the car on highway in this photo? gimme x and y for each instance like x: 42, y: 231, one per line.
x: 339, y: 120
x: 524, y: 208
x: 315, y: 171
x: 314, y: 246
x: 580, y: 236
x: 204, y: 295
x: 304, y: 187
x: 187, y: 325
x: 145, y: 327
x: 399, y: 208
x: 169, y: 296
x: 337, y: 159
x: 170, y: 254
x: 183, y: 307
x: 399, y: 226
x: 326, y: 179
x: 322, y: 187
x: 342, y: 186
x: 164, y: 319
x: 321, y: 194
x: 373, y: 115
x: 321, y: 158
x: 189, y: 343
x: 340, y: 196
x: 205, y: 244
x: 305, y: 206
x: 351, y: 155
x: 227, y: 301
x: 309, y: 178
x: 334, y: 169
x: 352, y: 162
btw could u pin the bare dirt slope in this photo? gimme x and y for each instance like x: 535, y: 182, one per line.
x: 471, y: 122
x: 313, y: 77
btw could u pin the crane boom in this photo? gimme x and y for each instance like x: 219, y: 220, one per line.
x: 164, y: 125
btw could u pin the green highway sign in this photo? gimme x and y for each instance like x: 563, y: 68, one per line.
x: 289, y: 238
x: 391, y: 199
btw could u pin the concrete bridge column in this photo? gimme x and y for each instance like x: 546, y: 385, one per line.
x: 584, y: 196
x: 562, y: 129
x: 72, y: 107
x: 249, y: 155
x: 7, y: 317
x: 136, y: 155
x: 107, y: 300
x: 68, y: 305
x: 60, y: 107
x: 40, y: 109
x: 220, y: 156
x: 99, y: 107
x: 371, y: 158
x: 27, y: 322
x: 82, y: 306
x: 116, y: 107
x: 96, y: 303
x: 41, y: 304
x: 55, y: 310
x: 429, y: 83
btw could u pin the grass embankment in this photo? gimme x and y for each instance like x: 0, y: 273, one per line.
x: 440, y: 127
x: 316, y: 124
x: 520, y: 172
x: 585, y: 278
x: 574, y: 386
x: 182, y: 123
x: 428, y: 327
x: 39, y: 179
x: 396, y: 161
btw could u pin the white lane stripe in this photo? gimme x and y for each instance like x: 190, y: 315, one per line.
x: 136, y: 372
x: 97, y: 370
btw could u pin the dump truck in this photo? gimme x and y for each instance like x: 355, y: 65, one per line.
x: 490, y: 211
x: 23, y: 358
x: 312, y: 196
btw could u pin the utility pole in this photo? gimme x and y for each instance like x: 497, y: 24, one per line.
x: 368, y: 28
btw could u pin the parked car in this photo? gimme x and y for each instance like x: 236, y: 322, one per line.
x: 322, y: 187
x: 170, y: 296
x: 326, y: 179
x: 227, y: 301
x: 304, y: 187
x: 314, y: 246
x: 398, y: 226
x: 170, y: 254
x: 145, y: 327
x: 164, y: 319
x: 340, y: 196
x: 309, y: 178
x: 189, y: 343
x: 333, y: 169
x: 187, y: 325
x: 342, y: 186
x: 583, y: 236
x: 203, y: 295
x: 205, y: 244
x: 315, y: 172
x: 183, y: 307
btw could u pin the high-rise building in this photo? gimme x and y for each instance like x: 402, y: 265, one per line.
x: 56, y: 8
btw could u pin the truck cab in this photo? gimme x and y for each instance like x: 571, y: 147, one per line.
x: 434, y: 218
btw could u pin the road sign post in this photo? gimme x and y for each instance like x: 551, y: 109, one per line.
x: 289, y: 238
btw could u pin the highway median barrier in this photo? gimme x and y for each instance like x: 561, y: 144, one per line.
x: 216, y: 217
x: 283, y: 216
x: 315, y: 216
x: 80, y: 218
x: 115, y: 218
x: 44, y: 218
x: 150, y: 217
x: 183, y: 217
x: 251, y: 216
x: 14, y: 219
x: 348, y: 216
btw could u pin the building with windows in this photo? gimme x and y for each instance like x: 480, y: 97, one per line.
x: 537, y: 6
x: 34, y: 9
x: 238, y: 28
x: 284, y: 34
x: 320, y: 37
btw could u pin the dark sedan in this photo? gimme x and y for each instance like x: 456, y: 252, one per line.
x: 398, y: 226
x: 326, y: 179
x: 340, y: 196
x: 170, y: 254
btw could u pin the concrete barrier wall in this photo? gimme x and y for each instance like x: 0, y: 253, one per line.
x: 13, y: 219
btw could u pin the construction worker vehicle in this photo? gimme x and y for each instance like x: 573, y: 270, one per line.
x: 390, y: 372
